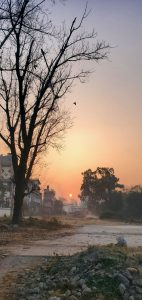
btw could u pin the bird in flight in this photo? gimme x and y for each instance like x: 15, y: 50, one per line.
x: 43, y: 53
x: 74, y: 103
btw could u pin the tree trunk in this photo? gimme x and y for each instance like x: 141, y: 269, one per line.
x: 18, y: 201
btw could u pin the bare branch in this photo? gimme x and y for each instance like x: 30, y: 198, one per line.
x: 38, y: 67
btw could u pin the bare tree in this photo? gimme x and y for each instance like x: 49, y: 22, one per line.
x: 9, y: 10
x: 38, y: 66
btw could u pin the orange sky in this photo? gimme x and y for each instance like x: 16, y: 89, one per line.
x: 107, y: 127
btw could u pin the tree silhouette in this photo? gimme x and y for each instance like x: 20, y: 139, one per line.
x: 98, y: 185
x: 36, y: 71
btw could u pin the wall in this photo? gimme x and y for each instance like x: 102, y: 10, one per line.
x: 5, y: 211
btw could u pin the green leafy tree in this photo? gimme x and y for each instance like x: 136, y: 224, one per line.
x: 114, y: 207
x: 106, y: 182
x: 88, y: 187
x: 98, y: 185
x: 133, y: 208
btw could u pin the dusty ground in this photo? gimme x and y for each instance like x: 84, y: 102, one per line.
x: 32, y: 232
x: 45, y: 228
x: 10, y: 266
x: 31, y: 229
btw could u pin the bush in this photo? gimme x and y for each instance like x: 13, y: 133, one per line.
x: 107, y: 215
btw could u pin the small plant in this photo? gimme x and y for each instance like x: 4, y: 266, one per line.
x: 108, y: 287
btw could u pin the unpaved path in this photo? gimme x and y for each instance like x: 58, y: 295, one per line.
x: 19, y: 257
x: 69, y: 242
x: 10, y: 266
x: 83, y: 237
x: 14, y: 263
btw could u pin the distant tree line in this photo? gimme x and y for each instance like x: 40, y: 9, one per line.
x: 107, y: 198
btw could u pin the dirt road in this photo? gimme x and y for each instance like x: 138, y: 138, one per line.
x: 17, y: 256
x: 70, y: 243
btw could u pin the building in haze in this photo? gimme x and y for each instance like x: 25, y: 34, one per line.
x: 48, y: 201
x: 33, y: 199
x: 6, y: 169
x: 71, y: 207
x: 6, y: 182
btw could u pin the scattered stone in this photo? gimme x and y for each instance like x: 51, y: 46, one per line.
x: 138, y: 297
x: 86, y: 291
x: 73, y: 269
x: 67, y: 293
x: 72, y: 297
x: 54, y: 298
x: 74, y: 283
x: 122, y: 279
x: 137, y: 282
x: 138, y: 290
x: 126, y: 296
x: 128, y: 275
x: 98, y: 266
x: 121, y: 242
x: 36, y: 290
x: 133, y: 271
x: 81, y: 282
x: 78, y: 294
x: 77, y: 278
x: 50, y: 292
x: 122, y: 288
x: 84, y: 286
x: 41, y: 285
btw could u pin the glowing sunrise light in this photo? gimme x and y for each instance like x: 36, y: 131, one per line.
x: 70, y: 195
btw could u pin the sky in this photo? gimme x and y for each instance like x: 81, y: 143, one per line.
x: 107, y: 129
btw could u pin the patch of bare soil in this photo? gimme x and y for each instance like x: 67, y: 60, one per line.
x: 10, y: 266
x: 108, y: 268
x: 32, y: 229
x: 44, y: 228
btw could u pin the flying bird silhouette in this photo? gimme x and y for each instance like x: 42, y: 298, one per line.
x: 74, y: 103
x: 42, y: 52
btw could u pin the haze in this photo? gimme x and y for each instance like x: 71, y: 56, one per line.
x: 107, y: 117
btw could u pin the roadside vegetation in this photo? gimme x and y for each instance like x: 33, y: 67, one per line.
x: 109, y: 199
x: 32, y: 229
x: 107, y: 273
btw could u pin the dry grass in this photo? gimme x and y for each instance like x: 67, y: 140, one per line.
x: 40, y: 228
x: 32, y: 229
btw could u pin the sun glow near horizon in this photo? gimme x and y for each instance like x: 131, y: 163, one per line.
x: 107, y: 114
